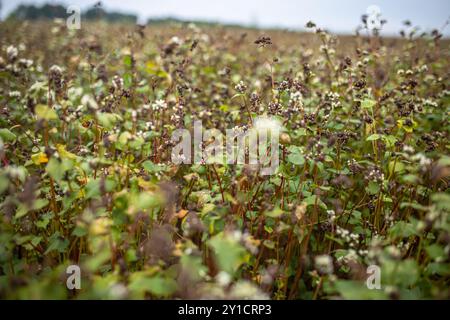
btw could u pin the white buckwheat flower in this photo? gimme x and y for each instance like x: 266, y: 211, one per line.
x: 11, y: 53
x: 159, y: 105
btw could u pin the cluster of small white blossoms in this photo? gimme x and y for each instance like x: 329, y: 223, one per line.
x: 444, y: 93
x: 239, y: 130
x: 333, y: 97
x: 204, y: 114
x: 389, y: 219
x: 408, y: 149
x: 423, y: 68
x: 83, y: 151
x: 134, y: 115
x: 244, y: 290
x: 149, y: 126
x: 331, y: 216
x: 176, y: 40
x: 14, y: 64
x: 351, y: 256
x: 131, y: 137
x: 375, y: 175
x: 326, y: 49
x: 140, y: 134
x: 223, y: 278
x: 394, y: 252
x: 295, y: 97
x: 284, y: 86
x: 421, y: 159
x: 14, y: 94
x: 430, y: 103
x: 431, y: 218
x: 241, y: 87
x: 296, y: 101
x: 25, y: 62
x: 117, y: 82
x: 178, y: 112
x: 12, y: 53
x: 159, y: 105
x: 73, y: 114
x: 349, y: 237
x: 403, y: 247
x: 324, y: 264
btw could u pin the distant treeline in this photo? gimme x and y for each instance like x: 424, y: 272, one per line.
x: 204, y: 23
x: 52, y: 11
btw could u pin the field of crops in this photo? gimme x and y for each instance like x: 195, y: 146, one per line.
x: 358, y: 207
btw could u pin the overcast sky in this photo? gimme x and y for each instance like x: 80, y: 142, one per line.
x: 336, y: 15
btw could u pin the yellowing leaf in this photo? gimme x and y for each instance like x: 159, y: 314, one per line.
x: 401, y: 123
x: 39, y: 158
x: 182, y: 213
x: 63, y: 153
x: 44, y: 112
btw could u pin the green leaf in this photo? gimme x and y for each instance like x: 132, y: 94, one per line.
x: 147, y: 200
x: 150, y: 167
x: 127, y: 60
x: 124, y: 137
x: 368, y: 103
x: 96, y: 261
x: 441, y: 200
x: 36, y: 240
x: 79, y: 231
x: 373, y: 137
x: 57, y: 243
x: 158, y: 286
x: 54, y: 169
x: 21, y: 211
x: 7, y: 135
x: 354, y: 290
x: 402, y: 229
x: 373, y: 187
x: 296, y: 156
x: 442, y: 269
x: 45, y: 220
x: 311, y: 200
x: 389, y: 140
x: 275, y: 213
x: 403, y: 273
x: 40, y: 203
x: 435, y: 251
x: 108, y: 120
x: 229, y: 253
x: 399, y: 166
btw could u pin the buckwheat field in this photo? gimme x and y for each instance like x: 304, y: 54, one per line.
x: 357, y: 207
